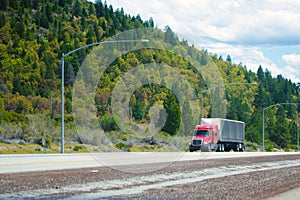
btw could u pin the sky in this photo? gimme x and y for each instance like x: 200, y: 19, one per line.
x: 252, y: 32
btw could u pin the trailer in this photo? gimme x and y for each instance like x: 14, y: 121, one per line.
x: 217, y: 134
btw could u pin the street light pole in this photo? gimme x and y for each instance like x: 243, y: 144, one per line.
x: 221, y: 85
x: 62, y: 80
x: 62, y: 147
x: 298, y: 136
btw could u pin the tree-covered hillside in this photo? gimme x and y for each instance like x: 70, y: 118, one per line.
x: 35, y: 33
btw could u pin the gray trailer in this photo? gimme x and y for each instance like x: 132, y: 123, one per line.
x: 231, y: 133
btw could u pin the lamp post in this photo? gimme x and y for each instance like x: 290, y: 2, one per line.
x: 63, y: 74
x: 263, y: 124
x: 298, y: 135
x: 221, y: 85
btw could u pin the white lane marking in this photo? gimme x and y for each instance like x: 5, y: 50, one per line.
x: 140, y: 184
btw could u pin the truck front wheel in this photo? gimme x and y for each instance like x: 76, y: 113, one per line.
x: 206, y: 148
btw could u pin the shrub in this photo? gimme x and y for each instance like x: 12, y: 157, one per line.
x: 79, y: 147
x: 122, y: 146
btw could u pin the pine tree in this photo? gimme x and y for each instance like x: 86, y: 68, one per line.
x: 92, y: 9
x: 35, y: 4
x: 48, y: 13
x: 281, y: 135
x: 187, y: 118
x: 15, y: 4
x: 17, y: 88
x: 90, y: 35
x: 2, y: 20
x: 173, y: 110
x: 77, y: 10
x: 26, y: 3
x: 44, y: 21
x: 138, y: 109
x: 20, y: 29
x: 3, y: 5
x: 228, y: 58
x: 151, y: 22
x: 62, y: 3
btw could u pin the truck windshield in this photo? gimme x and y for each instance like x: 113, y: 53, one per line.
x: 201, y: 133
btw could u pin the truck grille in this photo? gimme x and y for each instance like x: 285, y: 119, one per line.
x: 197, y: 142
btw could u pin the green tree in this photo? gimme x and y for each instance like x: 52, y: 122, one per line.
x: 48, y: 13
x: 15, y: 4
x: 77, y: 9
x: 44, y: 22
x: 91, y: 36
x: 170, y: 36
x: 281, y: 135
x: 26, y: 3
x: 138, y: 109
x: 62, y: 3
x: 3, y: 5
x: 228, y: 58
x: 187, y: 118
x: 253, y: 131
x: 92, y: 9
x: 173, y: 110
x: 2, y: 20
x: 20, y: 29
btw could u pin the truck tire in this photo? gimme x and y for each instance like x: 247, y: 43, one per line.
x: 237, y: 148
x: 206, y: 148
x: 226, y: 148
x: 243, y: 148
x: 221, y: 148
x: 191, y: 149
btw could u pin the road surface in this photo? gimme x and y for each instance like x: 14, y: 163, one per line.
x: 42, y: 162
x: 197, y: 175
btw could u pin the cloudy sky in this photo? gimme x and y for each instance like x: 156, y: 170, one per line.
x: 253, y: 32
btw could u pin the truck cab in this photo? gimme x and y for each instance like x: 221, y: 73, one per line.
x: 205, y: 138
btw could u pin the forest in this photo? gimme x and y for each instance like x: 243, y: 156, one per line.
x: 35, y: 33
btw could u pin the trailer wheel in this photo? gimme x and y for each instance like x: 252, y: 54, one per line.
x: 225, y: 148
x: 221, y: 148
x: 243, y: 148
x: 238, y: 147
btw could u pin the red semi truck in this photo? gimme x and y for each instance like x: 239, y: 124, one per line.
x: 216, y: 134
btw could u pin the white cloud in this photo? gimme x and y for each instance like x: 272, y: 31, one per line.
x: 243, y: 26
x: 291, y: 73
x: 239, y: 21
x: 252, y: 57
x: 292, y: 68
x: 292, y: 59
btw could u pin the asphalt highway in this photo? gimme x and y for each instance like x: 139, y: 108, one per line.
x: 44, y: 162
x: 160, y: 175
